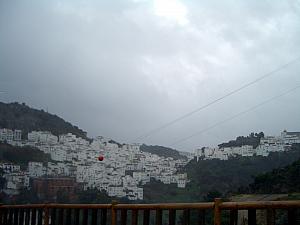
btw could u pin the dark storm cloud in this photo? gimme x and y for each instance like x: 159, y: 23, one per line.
x: 121, y: 68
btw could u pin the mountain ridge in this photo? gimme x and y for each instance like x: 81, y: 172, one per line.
x: 20, y: 116
x: 162, y: 151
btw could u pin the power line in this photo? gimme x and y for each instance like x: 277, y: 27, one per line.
x: 147, y: 134
x: 235, y: 116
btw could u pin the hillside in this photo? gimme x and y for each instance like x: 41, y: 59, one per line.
x: 21, y: 116
x: 162, y: 151
x: 280, y: 180
x: 22, y: 155
x: 252, y: 139
x: 156, y: 191
x: 215, y: 178
x: 227, y: 176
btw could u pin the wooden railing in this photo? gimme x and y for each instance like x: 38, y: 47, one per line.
x: 146, y: 214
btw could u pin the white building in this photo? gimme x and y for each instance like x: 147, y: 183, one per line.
x: 9, y: 167
x: 181, y: 183
x: 17, y: 135
x: 36, y: 169
x: 10, y: 135
x: 116, y: 191
x: 57, y: 169
x: 42, y: 137
x: 59, y: 154
x: 65, y: 138
x: 290, y: 137
x: 142, y: 177
x: 262, y: 151
x: 15, y: 182
x: 129, y: 181
x: 247, y: 150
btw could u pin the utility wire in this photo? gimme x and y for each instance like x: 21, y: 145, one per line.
x: 235, y: 116
x: 151, y: 132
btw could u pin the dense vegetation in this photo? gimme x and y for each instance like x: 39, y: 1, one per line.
x: 2, y: 179
x: 252, y: 139
x: 226, y: 176
x: 20, y: 116
x: 281, y: 180
x: 89, y: 196
x: 216, y: 178
x: 156, y: 191
x: 21, y: 155
x: 162, y: 151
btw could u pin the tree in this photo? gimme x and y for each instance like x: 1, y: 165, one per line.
x: 93, y: 196
x: 2, y: 179
x: 210, y: 196
x: 27, y: 196
x: 62, y: 197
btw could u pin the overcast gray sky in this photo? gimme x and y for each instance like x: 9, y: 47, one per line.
x: 121, y: 68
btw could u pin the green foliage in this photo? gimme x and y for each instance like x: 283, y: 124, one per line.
x: 211, y: 195
x: 2, y: 179
x: 22, y: 155
x: 93, y: 196
x: 156, y: 191
x: 62, y: 197
x: 253, y: 139
x: 24, y: 197
x: 20, y: 116
x: 227, y: 176
x: 162, y: 151
x: 281, y: 180
x: 216, y: 178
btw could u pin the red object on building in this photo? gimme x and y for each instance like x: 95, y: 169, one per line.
x: 100, y: 158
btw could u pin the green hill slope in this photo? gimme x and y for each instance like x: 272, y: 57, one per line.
x: 281, y: 180
x: 162, y: 151
x: 252, y: 139
x: 20, y: 116
x: 211, y: 177
x: 22, y: 155
x: 227, y: 176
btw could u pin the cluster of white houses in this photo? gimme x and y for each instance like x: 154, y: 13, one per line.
x: 267, y: 145
x: 9, y: 135
x: 122, y: 173
x: 125, y: 168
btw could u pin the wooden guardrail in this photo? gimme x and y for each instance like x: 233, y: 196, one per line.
x: 123, y: 214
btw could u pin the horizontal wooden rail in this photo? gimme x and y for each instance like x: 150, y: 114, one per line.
x: 178, y: 206
x: 64, y: 206
x: 260, y: 205
x: 113, y: 214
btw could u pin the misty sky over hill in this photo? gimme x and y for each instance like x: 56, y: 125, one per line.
x: 121, y: 68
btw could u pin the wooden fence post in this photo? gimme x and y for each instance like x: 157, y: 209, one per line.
x: 251, y: 216
x: 292, y: 217
x: 270, y: 217
x: 158, y: 217
x: 46, y: 215
x: 233, y: 217
x: 217, y: 211
x: 113, y: 212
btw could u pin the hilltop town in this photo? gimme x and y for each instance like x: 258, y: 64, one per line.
x: 125, y: 169
x: 74, y: 164
x: 266, y: 145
